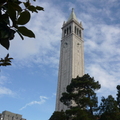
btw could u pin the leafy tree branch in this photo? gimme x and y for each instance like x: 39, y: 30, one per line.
x: 14, y: 15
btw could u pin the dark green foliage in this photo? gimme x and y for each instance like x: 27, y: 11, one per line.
x: 108, y: 105
x: 110, y: 116
x: 108, y: 109
x: 6, y: 61
x: 78, y: 114
x: 24, y: 31
x: 12, y: 15
x: 58, y: 116
x: 118, y: 96
x: 81, y: 91
x: 24, y: 18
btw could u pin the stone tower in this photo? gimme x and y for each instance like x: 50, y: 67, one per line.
x: 71, y: 62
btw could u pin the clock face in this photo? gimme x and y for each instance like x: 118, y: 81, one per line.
x: 65, y: 44
x: 78, y: 44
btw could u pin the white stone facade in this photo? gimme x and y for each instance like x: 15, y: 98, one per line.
x: 71, y: 62
x: 6, y: 115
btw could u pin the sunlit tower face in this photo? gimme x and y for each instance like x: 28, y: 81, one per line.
x: 71, y: 62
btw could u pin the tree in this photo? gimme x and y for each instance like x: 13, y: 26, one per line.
x: 6, y: 61
x: 78, y: 114
x: 118, y: 96
x: 58, y: 116
x: 80, y: 95
x: 14, y: 14
x: 108, y: 109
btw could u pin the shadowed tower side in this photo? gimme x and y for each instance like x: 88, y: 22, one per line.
x: 71, y: 62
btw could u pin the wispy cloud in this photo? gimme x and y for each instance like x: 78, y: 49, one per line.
x: 102, y: 36
x: 45, y: 47
x: 102, y: 55
x: 2, y: 79
x: 3, y: 89
x: 42, y: 101
x: 101, y: 33
x: 54, y: 95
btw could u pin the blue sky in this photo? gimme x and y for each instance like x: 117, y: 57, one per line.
x: 28, y: 87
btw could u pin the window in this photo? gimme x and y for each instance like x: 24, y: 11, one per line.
x: 70, y: 29
x: 75, y: 29
x: 80, y: 33
x: 65, y: 32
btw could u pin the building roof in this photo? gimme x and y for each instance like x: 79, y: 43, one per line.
x: 72, y: 15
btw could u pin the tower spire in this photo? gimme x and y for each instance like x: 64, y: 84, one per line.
x: 72, y: 15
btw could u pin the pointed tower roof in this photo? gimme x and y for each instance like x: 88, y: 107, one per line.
x: 72, y: 15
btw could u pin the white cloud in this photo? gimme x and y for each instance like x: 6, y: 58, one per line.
x: 101, y: 39
x: 3, y: 89
x: 107, y: 77
x: 46, y: 25
x: 54, y: 95
x: 42, y: 101
x: 2, y: 79
x: 102, y: 51
x: 102, y: 56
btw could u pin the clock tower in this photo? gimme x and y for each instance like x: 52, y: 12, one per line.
x: 71, y: 62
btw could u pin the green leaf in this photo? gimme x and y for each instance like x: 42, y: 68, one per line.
x: 26, y: 32
x: 24, y: 18
x: 4, y: 34
x: 11, y: 12
x: 32, y: 8
x: 11, y: 34
x: 2, y: 2
x: 5, y: 43
x: 20, y: 35
x: 4, y: 19
x: 16, y: 7
x: 6, y: 61
x: 26, y: 4
x: 39, y: 8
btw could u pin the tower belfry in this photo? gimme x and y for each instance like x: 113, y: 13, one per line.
x: 71, y: 62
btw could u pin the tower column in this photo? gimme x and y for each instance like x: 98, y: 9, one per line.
x: 71, y: 62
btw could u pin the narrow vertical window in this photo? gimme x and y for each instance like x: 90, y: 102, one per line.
x: 75, y: 29
x: 67, y: 31
x: 70, y: 29
x: 80, y: 33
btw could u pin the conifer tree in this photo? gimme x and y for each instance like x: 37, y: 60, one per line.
x: 108, y: 109
x: 58, y: 116
x: 118, y: 96
x: 80, y: 95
